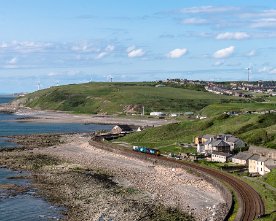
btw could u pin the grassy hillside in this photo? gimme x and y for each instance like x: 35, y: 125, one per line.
x: 254, y: 129
x: 114, y: 97
x: 215, y: 109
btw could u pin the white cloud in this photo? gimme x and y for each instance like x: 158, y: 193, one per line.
x: 225, y: 52
x: 177, y: 53
x: 133, y: 52
x: 3, y: 45
x: 13, y: 61
x: 30, y: 46
x: 130, y: 48
x: 218, y: 63
x: 84, y: 47
x: 50, y: 74
x: 108, y: 49
x: 269, y: 13
x: 101, y: 55
x: 251, y: 53
x: 267, y: 69
x: 208, y: 9
x: 25, y: 46
x: 194, y: 21
x: 264, y: 23
x: 273, y: 71
x: 232, y: 36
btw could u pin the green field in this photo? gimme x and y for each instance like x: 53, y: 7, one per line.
x: 252, y: 128
x: 215, y: 109
x: 112, y: 98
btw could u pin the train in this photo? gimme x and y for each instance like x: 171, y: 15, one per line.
x: 146, y: 150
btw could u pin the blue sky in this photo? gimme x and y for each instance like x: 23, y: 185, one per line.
x: 73, y: 41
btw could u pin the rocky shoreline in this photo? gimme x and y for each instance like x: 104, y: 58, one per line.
x: 95, y: 184
x: 8, y: 108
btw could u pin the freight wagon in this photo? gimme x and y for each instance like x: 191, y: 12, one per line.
x: 146, y: 150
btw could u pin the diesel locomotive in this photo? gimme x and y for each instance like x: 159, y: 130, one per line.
x: 146, y: 150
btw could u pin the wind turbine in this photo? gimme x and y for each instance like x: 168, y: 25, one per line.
x: 248, y: 73
x: 38, y: 85
x: 109, y: 78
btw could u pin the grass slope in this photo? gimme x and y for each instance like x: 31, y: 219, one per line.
x: 254, y: 129
x: 215, y: 109
x: 111, y: 98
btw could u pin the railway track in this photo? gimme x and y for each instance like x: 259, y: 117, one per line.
x: 250, y: 203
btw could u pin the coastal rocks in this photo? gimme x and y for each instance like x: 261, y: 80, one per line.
x: 7, y: 108
x: 9, y: 189
x: 165, y: 185
x: 94, y: 183
x: 36, y: 140
x: 87, y: 194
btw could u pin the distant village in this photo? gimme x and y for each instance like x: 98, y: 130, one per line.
x: 241, y: 89
x: 238, y: 89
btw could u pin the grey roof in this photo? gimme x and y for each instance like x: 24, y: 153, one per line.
x: 270, y: 164
x: 208, y: 136
x: 220, y: 143
x: 262, y: 159
x: 233, y: 139
x: 224, y: 135
x: 222, y: 154
x: 255, y: 157
x: 243, y: 155
x: 208, y: 142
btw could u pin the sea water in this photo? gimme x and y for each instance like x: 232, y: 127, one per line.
x: 28, y: 206
x: 8, y: 127
x: 23, y: 206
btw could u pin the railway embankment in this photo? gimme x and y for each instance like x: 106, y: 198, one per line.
x: 159, y: 183
x: 149, y: 187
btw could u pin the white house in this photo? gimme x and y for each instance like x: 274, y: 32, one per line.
x: 252, y: 164
x: 220, y: 157
x: 125, y: 129
x: 242, y: 158
x: 200, y: 149
x: 260, y: 165
x: 157, y: 114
